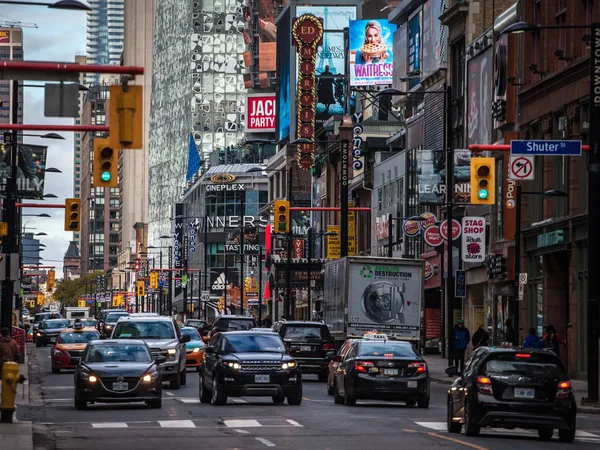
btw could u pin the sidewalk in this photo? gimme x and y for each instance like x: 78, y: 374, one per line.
x: 437, y: 367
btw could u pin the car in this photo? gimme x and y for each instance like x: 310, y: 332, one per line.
x: 230, y: 322
x: 163, y: 336
x: 310, y: 343
x: 121, y: 370
x: 48, y: 330
x: 40, y: 317
x: 512, y: 387
x: 70, y: 345
x: 90, y: 323
x: 376, y: 367
x: 194, y: 348
x: 111, y: 320
x: 144, y: 314
x: 101, y: 318
x: 201, y: 325
x: 249, y: 363
x: 25, y: 313
x: 334, y: 363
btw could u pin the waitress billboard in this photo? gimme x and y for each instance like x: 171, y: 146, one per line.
x: 371, y: 59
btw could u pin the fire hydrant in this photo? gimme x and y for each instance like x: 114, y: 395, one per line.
x: 10, y: 378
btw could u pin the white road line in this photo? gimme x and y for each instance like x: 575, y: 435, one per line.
x: 241, y: 423
x: 109, y: 425
x: 238, y: 400
x: 293, y: 422
x: 56, y: 388
x: 242, y: 431
x: 176, y: 424
x: 585, y: 434
x: 169, y: 393
x: 189, y: 400
x: 437, y: 426
x: 265, y: 441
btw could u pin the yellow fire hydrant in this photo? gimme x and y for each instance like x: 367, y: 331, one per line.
x: 10, y: 378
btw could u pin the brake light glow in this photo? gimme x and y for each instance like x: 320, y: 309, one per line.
x: 388, y: 355
x: 421, y: 367
x: 523, y: 355
x: 564, y: 389
x: 484, y: 380
x: 364, y: 366
x: 564, y: 385
x: 328, y: 347
x: 485, y: 385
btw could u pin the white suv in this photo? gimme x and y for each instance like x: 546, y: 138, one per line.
x: 164, y: 339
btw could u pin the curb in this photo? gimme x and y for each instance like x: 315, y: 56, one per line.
x: 445, y: 381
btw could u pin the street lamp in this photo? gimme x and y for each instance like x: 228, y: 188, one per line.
x: 36, y: 215
x: 45, y: 136
x: 50, y: 196
x: 52, y: 170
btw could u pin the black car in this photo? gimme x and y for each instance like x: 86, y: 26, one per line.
x: 249, y: 363
x: 383, y: 370
x: 102, y: 319
x: 512, y: 387
x: 48, y: 331
x: 201, y: 325
x: 111, y: 320
x: 120, y: 370
x: 231, y: 323
x: 310, y: 343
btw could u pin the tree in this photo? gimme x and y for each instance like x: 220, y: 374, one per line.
x: 68, y: 292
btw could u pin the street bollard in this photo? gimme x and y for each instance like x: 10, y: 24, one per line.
x: 10, y: 378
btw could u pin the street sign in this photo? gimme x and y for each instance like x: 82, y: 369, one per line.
x: 545, y: 148
x: 473, y: 241
x: 520, y: 168
x: 522, y: 283
x: 205, y: 296
x: 461, y: 284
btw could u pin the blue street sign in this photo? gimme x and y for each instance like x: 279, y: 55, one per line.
x: 461, y: 283
x: 545, y: 148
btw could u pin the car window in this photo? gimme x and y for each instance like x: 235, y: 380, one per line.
x: 192, y: 333
x: 72, y: 337
x: 48, y: 324
x: 305, y: 332
x: 389, y: 349
x: 252, y: 343
x: 144, y: 330
x: 533, y: 366
x: 351, y: 351
x: 40, y: 317
x: 117, y: 353
x: 235, y: 324
x: 113, y: 317
x: 345, y: 347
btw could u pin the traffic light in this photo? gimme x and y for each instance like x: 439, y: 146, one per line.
x: 31, y: 304
x: 81, y: 303
x: 247, y: 284
x: 72, y: 214
x: 153, y: 280
x: 282, y: 216
x: 106, y: 166
x: 40, y: 299
x: 221, y: 304
x: 125, y: 117
x: 51, y: 280
x: 483, y: 181
x: 141, y: 288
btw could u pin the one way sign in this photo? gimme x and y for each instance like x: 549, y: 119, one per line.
x: 520, y: 168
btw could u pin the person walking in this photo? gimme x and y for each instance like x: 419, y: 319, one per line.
x: 509, y: 332
x: 9, y: 351
x: 461, y: 341
x: 532, y: 340
x: 551, y: 342
x: 267, y: 322
x: 481, y: 338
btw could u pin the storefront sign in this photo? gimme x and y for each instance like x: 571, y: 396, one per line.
x: 236, y: 221
x: 381, y: 227
x: 4, y: 36
x: 432, y: 236
x: 428, y: 270
x: 260, y: 112
x: 298, y: 248
x: 358, y: 160
x: 224, y: 187
x: 222, y: 178
x: 351, y: 231
x: 333, y: 242
x: 496, y: 266
x: 473, y: 241
x: 234, y: 241
x: 550, y: 239
x: 430, y: 220
x: 456, y: 229
x: 411, y: 228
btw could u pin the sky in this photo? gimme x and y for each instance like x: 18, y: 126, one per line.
x: 59, y: 37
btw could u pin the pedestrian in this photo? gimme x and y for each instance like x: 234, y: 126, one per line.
x: 461, y: 341
x: 551, y: 342
x: 509, y: 332
x: 480, y: 338
x: 9, y: 351
x: 267, y: 323
x: 549, y: 329
x: 533, y: 340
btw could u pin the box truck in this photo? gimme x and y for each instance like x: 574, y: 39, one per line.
x: 74, y: 312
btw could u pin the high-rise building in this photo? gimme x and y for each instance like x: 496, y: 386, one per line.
x: 11, y: 48
x: 30, y: 249
x: 133, y: 164
x: 210, y: 103
x: 79, y: 59
x: 105, y: 28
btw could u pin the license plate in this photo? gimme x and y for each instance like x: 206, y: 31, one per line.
x: 305, y: 348
x: 412, y: 384
x: 262, y: 378
x: 120, y: 386
x: 390, y: 372
x: 524, y: 393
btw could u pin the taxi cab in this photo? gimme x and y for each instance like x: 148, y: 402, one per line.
x: 70, y: 344
x: 194, y: 348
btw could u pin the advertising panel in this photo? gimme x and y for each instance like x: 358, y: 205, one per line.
x: 390, y: 299
x: 233, y: 242
x: 333, y: 242
x: 260, y: 112
x: 4, y: 37
x: 479, y: 93
x: 432, y: 176
x: 177, y: 247
x: 434, y: 36
x: 371, y: 56
x: 414, y: 47
x: 284, y: 43
x: 473, y: 241
x: 219, y: 278
x: 30, y: 171
x: 400, y: 56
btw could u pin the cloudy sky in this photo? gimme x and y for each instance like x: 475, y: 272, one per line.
x: 59, y: 37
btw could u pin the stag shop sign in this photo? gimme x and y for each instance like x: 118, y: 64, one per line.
x: 260, y: 113
x: 307, y: 35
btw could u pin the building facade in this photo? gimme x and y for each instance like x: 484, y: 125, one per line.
x: 79, y: 59
x: 72, y: 262
x: 105, y: 28
x: 11, y: 48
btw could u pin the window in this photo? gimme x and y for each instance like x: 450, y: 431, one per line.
x: 380, y: 199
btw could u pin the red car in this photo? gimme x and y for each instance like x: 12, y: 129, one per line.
x: 69, y: 347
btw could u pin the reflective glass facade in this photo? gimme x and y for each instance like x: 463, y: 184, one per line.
x: 105, y: 33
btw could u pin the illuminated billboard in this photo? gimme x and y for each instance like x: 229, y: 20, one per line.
x: 371, y: 58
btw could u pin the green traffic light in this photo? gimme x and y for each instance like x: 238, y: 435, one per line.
x: 105, y: 176
x: 483, y: 194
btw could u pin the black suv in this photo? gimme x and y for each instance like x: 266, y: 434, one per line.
x: 512, y: 387
x: 310, y: 343
x: 249, y: 363
x: 231, y: 323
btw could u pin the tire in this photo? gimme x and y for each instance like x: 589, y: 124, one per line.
x: 55, y: 369
x: 567, y: 436
x: 348, y: 399
x: 295, y: 400
x: 38, y: 343
x: 471, y: 429
x: 155, y: 404
x: 322, y: 376
x: 329, y: 390
x: 204, y: 394
x: 197, y: 368
x: 337, y: 398
x: 80, y: 405
x: 423, y: 403
x: 453, y: 427
x: 175, y: 382
x: 183, y: 377
x: 545, y: 434
x: 278, y: 399
x: 218, y: 398
x: 411, y: 402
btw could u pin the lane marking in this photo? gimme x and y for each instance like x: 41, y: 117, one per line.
x: 56, y: 388
x: 176, y: 424
x: 293, y: 422
x: 436, y: 426
x: 406, y: 430
x: 585, y: 434
x: 265, y: 441
x: 238, y: 400
x: 242, y: 431
x: 169, y: 393
x: 109, y: 425
x: 189, y: 400
x: 241, y: 423
x: 314, y: 400
x: 457, y: 441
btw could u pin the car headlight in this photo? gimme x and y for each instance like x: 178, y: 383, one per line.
x: 107, y: 326
x: 233, y: 365
x: 92, y: 379
x: 196, y: 350
x: 150, y: 377
x: 171, y: 353
x: 288, y: 365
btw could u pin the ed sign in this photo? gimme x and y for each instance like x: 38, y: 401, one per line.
x: 473, y: 242
x: 261, y: 112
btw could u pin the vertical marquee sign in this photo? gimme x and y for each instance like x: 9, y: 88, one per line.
x: 307, y: 35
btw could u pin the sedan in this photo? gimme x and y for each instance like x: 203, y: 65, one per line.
x: 194, y: 348
x: 120, y: 370
x: 48, y: 331
x: 69, y: 347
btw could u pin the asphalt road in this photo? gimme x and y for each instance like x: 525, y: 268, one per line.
x: 255, y: 423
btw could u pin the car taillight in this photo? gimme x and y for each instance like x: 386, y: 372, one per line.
x: 523, y: 355
x: 564, y: 389
x: 365, y: 366
x: 328, y: 346
x: 420, y: 367
x: 485, y: 385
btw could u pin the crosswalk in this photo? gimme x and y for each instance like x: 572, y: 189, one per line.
x: 232, y: 423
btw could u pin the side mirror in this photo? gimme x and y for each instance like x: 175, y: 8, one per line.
x: 185, y: 338
x: 209, y: 350
x: 160, y: 359
x: 337, y: 358
x: 452, y: 371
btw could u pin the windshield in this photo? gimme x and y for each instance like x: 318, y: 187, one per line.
x: 386, y: 349
x: 306, y: 332
x: 89, y: 323
x: 113, y: 317
x: 47, y: 324
x: 195, y: 323
x: 144, y: 330
x: 40, y: 317
x: 244, y: 343
x: 71, y: 337
x: 541, y: 368
x: 235, y: 324
x: 192, y: 333
x: 117, y: 353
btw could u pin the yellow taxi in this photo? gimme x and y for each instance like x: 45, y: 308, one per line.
x: 70, y: 345
x: 194, y: 348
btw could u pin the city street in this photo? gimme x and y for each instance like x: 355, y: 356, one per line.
x: 253, y: 423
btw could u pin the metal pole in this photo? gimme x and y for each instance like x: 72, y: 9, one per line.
x: 390, y: 229
x: 310, y: 243
x: 260, y: 285
x: 160, y: 291
x: 205, y: 264
x: 242, y: 267
x: 443, y: 301
x: 516, y: 317
x: 344, y: 149
x: 170, y: 289
x: 185, y: 271
x: 288, y: 281
x: 449, y: 194
x: 593, y: 218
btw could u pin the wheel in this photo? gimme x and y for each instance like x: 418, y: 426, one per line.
x: 329, y: 390
x: 471, y: 429
x: 155, y: 404
x: 38, y: 343
x: 567, y: 436
x: 175, y: 382
x: 411, y: 402
x: 6, y: 416
x: 197, y: 368
x: 295, y: 400
x: 423, y: 403
x: 278, y: 399
x: 218, y: 398
x: 204, y: 394
x: 80, y: 405
x: 337, y: 398
x: 545, y: 434
x: 323, y: 376
x: 183, y: 377
x: 55, y: 369
x: 348, y: 399
x: 453, y: 427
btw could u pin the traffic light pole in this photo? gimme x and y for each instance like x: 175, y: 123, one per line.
x: 449, y: 218
x: 260, y: 285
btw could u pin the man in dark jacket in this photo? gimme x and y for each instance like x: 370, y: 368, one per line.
x: 533, y: 340
x: 461, y: 341
x: 9, y: 351
x: 480, y: 338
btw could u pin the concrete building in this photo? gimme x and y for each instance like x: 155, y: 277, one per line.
x: 11, y: 48
x: 105, y: 27
x: 71, y: 262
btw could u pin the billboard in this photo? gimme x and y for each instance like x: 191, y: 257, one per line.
x: 414, y: 47
x: 479, y: 95
x: 284, y: 44
x: 432, y: 176
x: 400, y: 56
x: 219, y: 278
x: 371, y: 55
x: 4, y: 36
x: 233, y: 242
x: 260, y: 112
x: 434, y: 37
x: 30, y: 171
